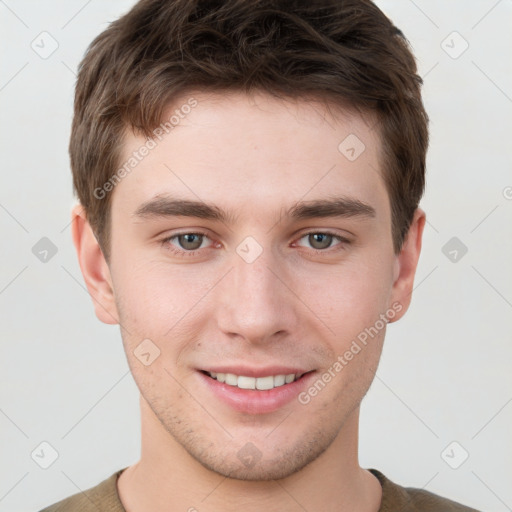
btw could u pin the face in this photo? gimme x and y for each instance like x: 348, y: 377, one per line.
x: 251, y: 243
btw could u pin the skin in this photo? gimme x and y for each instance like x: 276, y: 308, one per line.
x: 296, y: 304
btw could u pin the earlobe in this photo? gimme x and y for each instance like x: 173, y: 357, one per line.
x: 94, y: 268
x: 406, y: 263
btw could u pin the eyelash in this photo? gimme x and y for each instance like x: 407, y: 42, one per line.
x: 182, y: 252
x: 343, y: 242
x: 166, y: 242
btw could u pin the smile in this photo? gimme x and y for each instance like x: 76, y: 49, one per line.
x: 259, y: 383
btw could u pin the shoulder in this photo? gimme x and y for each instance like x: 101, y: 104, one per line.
x: 102, y: 497
x: 395, y: 497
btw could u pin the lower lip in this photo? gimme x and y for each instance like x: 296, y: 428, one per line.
x: 252, y: 401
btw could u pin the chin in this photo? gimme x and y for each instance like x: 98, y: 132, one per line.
x: 251, y: 464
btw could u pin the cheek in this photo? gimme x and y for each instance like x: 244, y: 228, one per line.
x: 162, y: 306
x: 153, y: 297
x: 350, y: 297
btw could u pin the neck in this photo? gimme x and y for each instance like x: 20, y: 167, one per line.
x: 168, y: 477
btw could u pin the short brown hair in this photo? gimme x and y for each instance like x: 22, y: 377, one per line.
x: 343, y: 51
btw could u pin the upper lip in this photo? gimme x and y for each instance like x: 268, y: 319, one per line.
x: 257, y: 372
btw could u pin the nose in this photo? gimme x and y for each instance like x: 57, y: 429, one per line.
x: 254, y: 302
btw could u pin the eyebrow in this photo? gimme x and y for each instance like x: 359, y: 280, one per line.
x: 335, y: 207
x: 170, y: 207
x: 332, y: 207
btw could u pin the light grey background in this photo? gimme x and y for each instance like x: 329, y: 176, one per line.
x: 445, y: 372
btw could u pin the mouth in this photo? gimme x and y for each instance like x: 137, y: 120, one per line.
x: 255, y: 383
x: 262, y: 392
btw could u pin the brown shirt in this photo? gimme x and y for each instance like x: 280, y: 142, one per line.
x: 104, y: 498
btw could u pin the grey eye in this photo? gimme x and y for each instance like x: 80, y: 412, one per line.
x: 190, y: 241
x: 320, y: 240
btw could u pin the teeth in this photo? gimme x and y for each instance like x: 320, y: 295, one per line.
x: 261, y: 383
x: 231, y: 379
x: 245, y: 382
x: 264, y: 382
x: 279, y: 380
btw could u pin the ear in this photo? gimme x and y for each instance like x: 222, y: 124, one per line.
x: 406, y: 263
x: 94, y: 267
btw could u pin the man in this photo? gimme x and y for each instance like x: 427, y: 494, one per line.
x: 249, y: 175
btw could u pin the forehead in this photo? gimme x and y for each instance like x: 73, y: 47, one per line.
x: 249, y: 153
